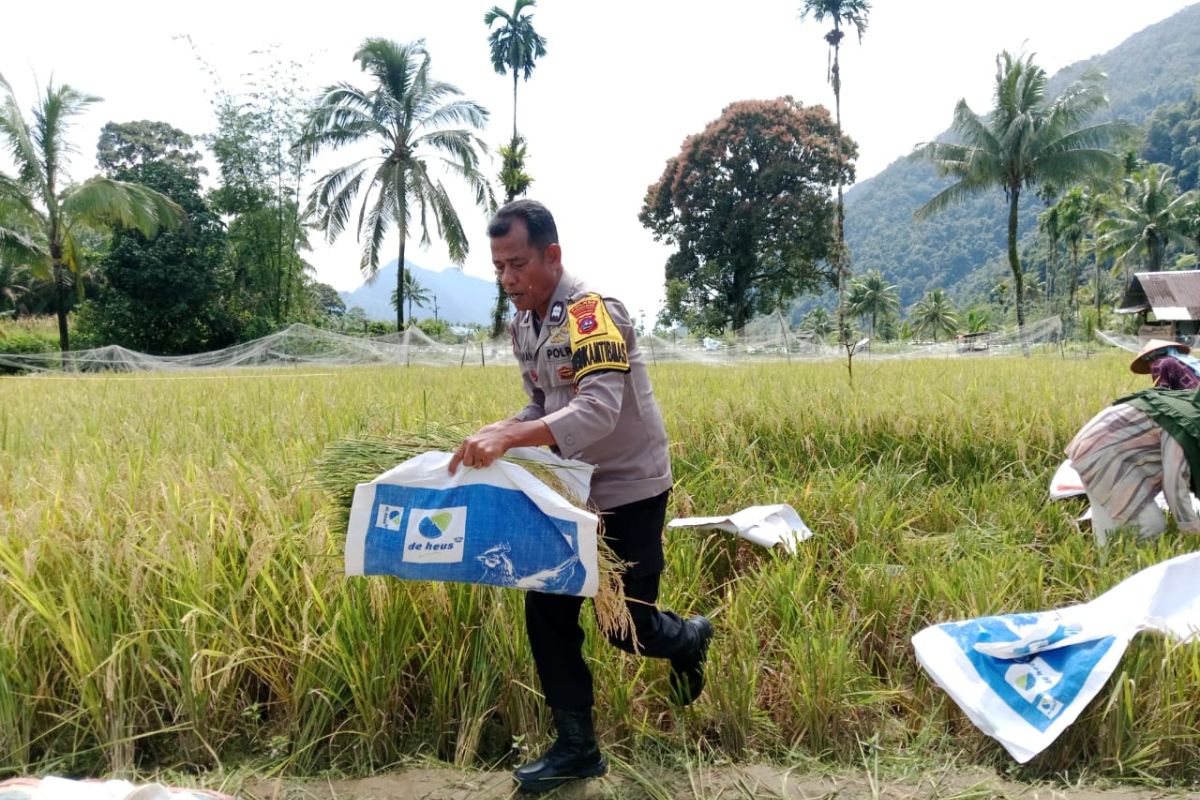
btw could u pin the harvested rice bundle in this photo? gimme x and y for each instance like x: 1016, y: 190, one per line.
x: 362, y: 459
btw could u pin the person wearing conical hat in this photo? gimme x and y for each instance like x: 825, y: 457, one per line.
x: 1170, y: 364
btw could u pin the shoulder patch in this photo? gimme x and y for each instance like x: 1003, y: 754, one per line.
x: 596, y: 342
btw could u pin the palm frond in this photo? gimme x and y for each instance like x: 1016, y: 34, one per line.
x: 377, y: 219
x: 460, y: 112
x: 332, y: 197
x: 19, y: 141
x: 954, y: 193
x: 105, y: 201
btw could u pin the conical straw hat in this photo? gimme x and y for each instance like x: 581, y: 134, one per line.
x: 1153, y: 349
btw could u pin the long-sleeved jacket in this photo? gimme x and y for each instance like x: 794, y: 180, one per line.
x: 586, y: 380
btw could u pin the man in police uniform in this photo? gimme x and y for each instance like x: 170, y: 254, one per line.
x: 590, y: 398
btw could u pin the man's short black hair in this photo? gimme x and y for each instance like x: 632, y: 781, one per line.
x: 537, y: 218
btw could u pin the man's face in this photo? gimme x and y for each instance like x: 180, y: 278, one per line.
x: 528, y: 275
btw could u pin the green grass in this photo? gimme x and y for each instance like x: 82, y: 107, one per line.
x: 172, y: 596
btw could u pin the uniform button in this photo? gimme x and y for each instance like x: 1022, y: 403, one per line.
x: 570, y: 439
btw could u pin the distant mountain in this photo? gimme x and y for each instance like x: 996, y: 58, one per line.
x: 460, y: 298
x: 962, y: 248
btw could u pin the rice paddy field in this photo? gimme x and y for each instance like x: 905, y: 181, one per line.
x: 171, y: 594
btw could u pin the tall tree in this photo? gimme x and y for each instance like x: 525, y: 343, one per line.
x: 747, y: 205
x: 61, y: 209
x: 1149, y: 214
x: 850, y: 14
x: 1027, y: 140
x: 260, y: 173
x: 1072, y: 212
x: 871, y: 297
x: 414, y: 294
x: 1048, y: 223
x: 515, y: 47
x: 170, y: 294
x: 404, y: 115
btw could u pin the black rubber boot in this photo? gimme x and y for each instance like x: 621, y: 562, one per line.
x: 687, y: 672
x: 574, y: 754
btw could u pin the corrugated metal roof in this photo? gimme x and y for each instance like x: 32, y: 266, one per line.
x: 1172, y: 295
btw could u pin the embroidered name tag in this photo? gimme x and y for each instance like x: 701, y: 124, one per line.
x: 596, y: 342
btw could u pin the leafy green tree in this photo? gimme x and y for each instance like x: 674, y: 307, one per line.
x: 934, y: 314
x: 125, y: 146
x: 1173, y: 138
x: 779, y: 159
x: 1027, y: 140
x: 39, y: 151
x: 1150, y: 214
x: 871, y: 297
x: 848, y: 13
x: 326, y: 301
x: 515, y: 47
x: 404, y: 115
x: 168, y: 294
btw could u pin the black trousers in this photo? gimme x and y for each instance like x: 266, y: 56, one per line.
x: 552, y: 620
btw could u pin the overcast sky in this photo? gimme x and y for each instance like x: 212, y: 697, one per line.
x: 612, y: 100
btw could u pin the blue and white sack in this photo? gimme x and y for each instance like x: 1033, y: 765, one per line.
x: 497, y: 525
x: 1023, y: 678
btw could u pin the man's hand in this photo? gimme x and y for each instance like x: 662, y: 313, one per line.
x: 492, y: 441
x: 482, y: 448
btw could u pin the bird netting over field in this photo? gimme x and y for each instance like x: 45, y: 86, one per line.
x: 305, y: 346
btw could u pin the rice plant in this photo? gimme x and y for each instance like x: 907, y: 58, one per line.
x: 172, y: 595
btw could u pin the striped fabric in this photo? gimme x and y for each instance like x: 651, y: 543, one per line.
x: 1125, y: 459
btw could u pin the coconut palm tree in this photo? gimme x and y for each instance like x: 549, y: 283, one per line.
x: 414, y: 294
x: 817, y: 322
x: 934, y: 314
x: 405, y: 118
x: 1073, y: 214
x: 515, y: 45
x: 58, y: 211
x: 1149, y: 215
x: 1027, y: 140
x: 870, y: 296
x: 850, y: 14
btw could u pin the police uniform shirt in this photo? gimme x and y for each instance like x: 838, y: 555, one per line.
x: 586, y: 380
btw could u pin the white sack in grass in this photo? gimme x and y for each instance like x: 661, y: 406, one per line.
x: 497, y: 525
x: 53, y: 788
x: 764, y: 525
x: 1023, y: 678
x: 1066, y: 482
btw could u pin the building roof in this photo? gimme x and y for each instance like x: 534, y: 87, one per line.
x: 1172, y: 296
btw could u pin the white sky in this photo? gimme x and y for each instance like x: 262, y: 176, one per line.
x: 612, y: 100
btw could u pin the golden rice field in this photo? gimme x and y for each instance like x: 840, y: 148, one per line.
x: 171, y: 595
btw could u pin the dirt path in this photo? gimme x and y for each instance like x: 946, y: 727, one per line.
x: 717, y: 783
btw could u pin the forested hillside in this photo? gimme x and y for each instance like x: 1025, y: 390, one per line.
x: 962, y: 247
